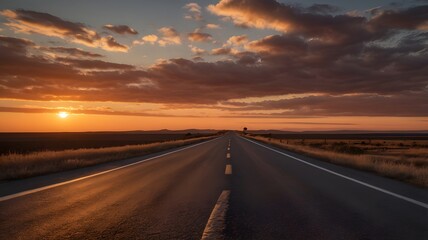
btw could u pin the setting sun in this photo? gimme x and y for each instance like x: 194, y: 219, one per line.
x: 63, y: 114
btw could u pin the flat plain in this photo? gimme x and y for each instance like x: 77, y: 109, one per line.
x: 34, y: 142
x: 32, y: 154
x: 399, y: 156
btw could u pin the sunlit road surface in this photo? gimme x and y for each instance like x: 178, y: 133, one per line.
x: 228, y: 188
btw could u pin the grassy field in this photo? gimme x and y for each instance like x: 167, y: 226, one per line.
x: 18, y: 165
x: 405, y: 159
x: 34, y: 142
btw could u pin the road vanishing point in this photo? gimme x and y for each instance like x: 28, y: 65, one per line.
x: 229, y: 187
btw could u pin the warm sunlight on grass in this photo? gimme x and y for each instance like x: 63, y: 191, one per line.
x: 15, y: 166
x: 403, y: 160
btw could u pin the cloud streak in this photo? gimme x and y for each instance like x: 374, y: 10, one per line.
x: 120, y: 29
x: 400, y: 105
x: 199, y: 37
x: 74, y: 52
x: 195, y: 12
x: 30, y: 22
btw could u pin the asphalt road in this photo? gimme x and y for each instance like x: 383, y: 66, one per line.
x: 248, y: 192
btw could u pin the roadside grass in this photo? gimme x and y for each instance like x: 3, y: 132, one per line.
x: 408, y: 163
x: 16, y: 166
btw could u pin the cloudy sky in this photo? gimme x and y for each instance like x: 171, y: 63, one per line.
x: 223, y: 64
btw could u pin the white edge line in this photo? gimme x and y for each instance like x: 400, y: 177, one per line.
x: 424, y: 205
x: 216, y: 222
x: 27, y: 192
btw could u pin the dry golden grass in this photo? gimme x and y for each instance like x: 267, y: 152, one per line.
x: 408, y: 163
x: 15, y: 166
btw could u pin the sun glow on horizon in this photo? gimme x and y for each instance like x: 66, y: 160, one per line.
x: 63, y: 114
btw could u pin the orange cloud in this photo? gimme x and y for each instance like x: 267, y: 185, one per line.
x: 231, y: 47
x: 94, y: 64
x: 152, y: 39
x: 195, y: 12
x: 196, y: 51
x: 225, y: 50
x: 120, y: 29
x: 170, y: 36
x: 237, y: 40
x: 30, y: 22
x: 73, y: 52
x: 316, y: 22
x: 251, y: 13
x: 199, y: 37
x: 276, y: 44
x: 212, y: 26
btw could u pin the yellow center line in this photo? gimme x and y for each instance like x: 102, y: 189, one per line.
x: 216, y: 223
x: 228, y: 170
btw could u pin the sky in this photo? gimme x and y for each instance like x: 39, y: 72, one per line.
x: 218, y: 64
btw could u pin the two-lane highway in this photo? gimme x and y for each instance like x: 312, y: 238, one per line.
x: 243, y: 189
